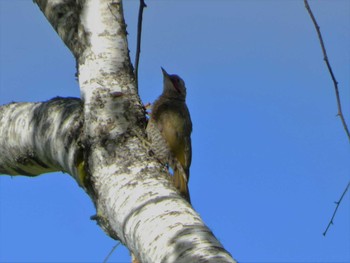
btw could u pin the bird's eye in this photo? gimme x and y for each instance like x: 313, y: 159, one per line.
x: 176, y: 82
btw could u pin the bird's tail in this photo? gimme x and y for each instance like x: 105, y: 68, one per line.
x: 180, y: 182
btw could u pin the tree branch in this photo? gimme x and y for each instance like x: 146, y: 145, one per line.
x: 335, y: 83
x: 138, y: 45
x: 64, y: 16
x: 39, y: 138
x: 325, y: 57
x: 336, y: 208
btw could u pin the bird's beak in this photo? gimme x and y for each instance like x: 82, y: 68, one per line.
x: 165, y: 74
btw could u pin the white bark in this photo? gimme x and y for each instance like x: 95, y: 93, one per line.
x: 135, y: 200
x: 39, y: 138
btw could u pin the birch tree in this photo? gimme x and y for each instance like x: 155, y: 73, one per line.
x: 99, y: 140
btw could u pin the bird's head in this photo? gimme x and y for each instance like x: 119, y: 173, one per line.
x: 174, y: 86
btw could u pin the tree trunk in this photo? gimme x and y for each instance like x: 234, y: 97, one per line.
x: 99, y: 140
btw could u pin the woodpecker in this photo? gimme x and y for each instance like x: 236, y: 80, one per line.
x: 169, y: 131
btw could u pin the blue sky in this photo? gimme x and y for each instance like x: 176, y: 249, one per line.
x: 270, y: 156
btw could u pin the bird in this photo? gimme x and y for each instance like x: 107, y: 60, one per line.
x: 169, y: 131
